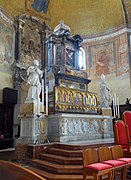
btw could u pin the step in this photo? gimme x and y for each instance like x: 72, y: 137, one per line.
x: 56, y: 168
x: 50, y: 176
x: 81, y: 146
x: 65, y: 152
x: 60, y: 159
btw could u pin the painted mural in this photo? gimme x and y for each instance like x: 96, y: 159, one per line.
x: 107, y: 56
x: 6, y: 42
x: 102, y: 58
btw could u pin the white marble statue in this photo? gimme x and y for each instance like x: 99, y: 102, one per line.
x: 34, y: 75
x: 105, y: 94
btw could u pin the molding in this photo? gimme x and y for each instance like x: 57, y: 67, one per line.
x: 5, y: 18
x: 104, y: 37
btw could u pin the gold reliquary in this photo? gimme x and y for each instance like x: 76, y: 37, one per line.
x: 76, y: 101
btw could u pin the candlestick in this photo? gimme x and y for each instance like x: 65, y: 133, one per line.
x: 46, y: 100
x: 43, y: 95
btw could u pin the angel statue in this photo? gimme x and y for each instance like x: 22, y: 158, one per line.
x: 34, y: 74
x: 105, y: 93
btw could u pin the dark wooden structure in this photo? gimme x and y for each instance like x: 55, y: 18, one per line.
x: 6, y: 125
x: 12, y: 171
x: 124, y: 107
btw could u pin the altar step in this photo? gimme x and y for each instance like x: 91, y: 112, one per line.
x: 51, y: 176
x: 60, y: 159
x: 57, y: 168
x: 61, y: 162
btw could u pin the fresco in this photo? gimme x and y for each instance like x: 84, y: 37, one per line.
x: 102, y: 58
x: 107, y: 56
x: 6, y: 43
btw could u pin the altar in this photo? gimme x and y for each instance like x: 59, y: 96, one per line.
x: 71, y: 111
x: 66, y: 127
x: 74, y: 112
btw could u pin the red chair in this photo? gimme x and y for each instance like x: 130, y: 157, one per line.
x: 126, y: 116
x: 92, y: 167
x: 121, y: 137
x: 105, y: 156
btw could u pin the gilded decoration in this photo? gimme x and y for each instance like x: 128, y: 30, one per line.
x: 70, y: 100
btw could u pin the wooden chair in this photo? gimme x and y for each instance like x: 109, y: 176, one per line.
x: 105, y: 156
x: 126, y: 116
x: 92, y: 167
x: 12, y: 171
x: 121, y: 137
x: 117, y: 153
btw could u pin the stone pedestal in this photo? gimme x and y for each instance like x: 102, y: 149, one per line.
x: 29, y: 131
x: 76, y: 127
x: 33, y: 126
x: 106, y: 111
x: 31, y: 108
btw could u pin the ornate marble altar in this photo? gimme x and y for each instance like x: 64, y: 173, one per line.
x: 66, y: 127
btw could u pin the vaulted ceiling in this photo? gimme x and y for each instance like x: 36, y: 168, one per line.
x: 85, y: 17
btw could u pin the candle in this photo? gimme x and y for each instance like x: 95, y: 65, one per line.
x: 45, y: 74
x: 115, y: 105
x: 46, y: 100
x: 118, y: 107
x: 38, y: 107
x: 43, y: 95
x: 114, y: 111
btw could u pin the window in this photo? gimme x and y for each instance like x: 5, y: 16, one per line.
x: 81, y: 59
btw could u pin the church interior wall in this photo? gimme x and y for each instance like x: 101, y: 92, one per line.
x: 116, y: 52
x: 6, y: 53
x: 108, y: 55
x: 113, y: 50
x: 116, y: 60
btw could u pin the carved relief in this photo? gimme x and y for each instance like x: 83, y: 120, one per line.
x: 30, y: 42
x: 75, y: 126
